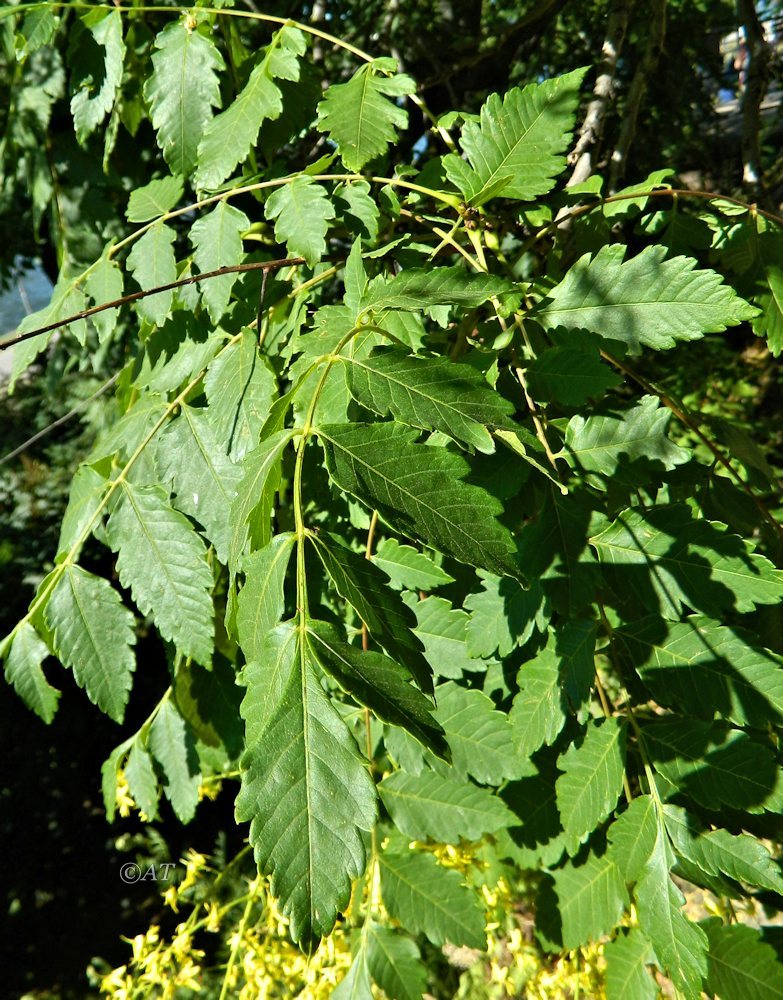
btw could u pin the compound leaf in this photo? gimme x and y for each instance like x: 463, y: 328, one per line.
x: 152, y: 263
x: 430, y: 393
x: 305, y: 789
x: 648, y: 301
x: 379, y: 684
x: 419, y: 490
x: 182, y: 90
x: 627, y: 977
x: 741, y: 966
x: 162, y: 560
x: 217, y: 241
x: 23, y: 671
x: 516, y: 150
x: 359, y: 117
x: 592, y: 899
x: 666, y: 556
x: 702, y: 667
x: 430, y: 805
x: 395, y: 964
x: 239, y: 387
x: 229, y: 136
x: 481, y: 738
x: 302, y: 211
x: 430, y: 899
x: 590, y: 786
x: 173, y: 745
x: 93, y: 634
x: 204, y: 478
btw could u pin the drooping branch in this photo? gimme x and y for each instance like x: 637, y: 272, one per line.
x: 265, y: 265
x: 753, y: 95
x: 656, y: 34
x: 581, y: 157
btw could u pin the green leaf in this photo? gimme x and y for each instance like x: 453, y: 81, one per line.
x: 592, y: 899
x: 415, y: 289
x: 769, y: 322
x: 142, y: 781
x: 388, y: 620
x: 230, y: 136
x: 93, y: 634
x: 680, y: 945
x: 627, y: 977
x: 154, y: 199
x: 553, y: 548
x: 36, y: 30
x: 536, y: 837
x: 87, y: 489
x: 379, y: 684
x: 66, y: 300
x: 516, y: 151
x: 204, y: 478
x: 407, y: 567
x: 302, y: 211
x: 182, y: 90
x: 208, y: 700
x: 104, y: 284
x: 240, y: 388
x: 359, y: 209
x: 575, y: 645
x: 481, y: 738
x: 250, y: 515
x: 109, y: 774
x: 442, y: 630
x: 599, y: 443
x: 430, y: 393
x: 702, y: 667
x: 429, y: 805
x: 713, y: 764
x: 305, y: 789
x: 261, y: 601
x: 173, y: 746
x: 740, y: 857
x: 648, y: 301
x: 590, y: 786
x: 356, y: 984
x: 395, y: 964
x: 162, y: 560
x: 217, y: 241
x: 537, y: 714
x: 569, y: 376
x: 419, y: 490
x: 152, y: 263
x: 430, y: 899
x: 741, y: 966
x: 666, y: 557
x: 633, y: 836
x: 358, y: 115
x: 503, y: 616
x: 96, y: 77
x: 23, y: 671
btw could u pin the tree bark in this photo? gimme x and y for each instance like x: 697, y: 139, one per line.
x: 637, y: 90
x: 753, y: 95
x: 581, y: 157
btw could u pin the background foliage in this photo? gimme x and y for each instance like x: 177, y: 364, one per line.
x: 425, y: 522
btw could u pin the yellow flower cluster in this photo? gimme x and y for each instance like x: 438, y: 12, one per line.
x: 263, y: 962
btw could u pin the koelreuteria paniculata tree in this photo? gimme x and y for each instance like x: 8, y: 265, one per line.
x: 433, y: 558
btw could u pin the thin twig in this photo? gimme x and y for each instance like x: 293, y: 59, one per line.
x: 134, y: 296
x: 61, y: 420
x: 688, y: 421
